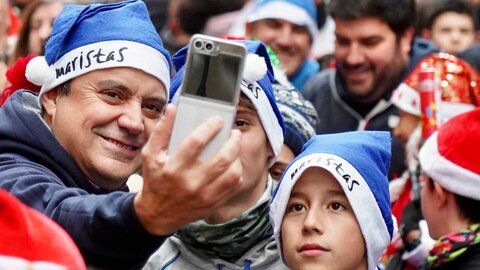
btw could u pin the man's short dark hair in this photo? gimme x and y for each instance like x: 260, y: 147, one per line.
x: 456, y: 6
x: 63, y: 90
x: 398, y: 14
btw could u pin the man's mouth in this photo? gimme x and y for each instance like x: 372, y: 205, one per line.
x: 124, y: 145
x: 357, y: 73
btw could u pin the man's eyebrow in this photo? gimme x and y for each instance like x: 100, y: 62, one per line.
x: 157, y: 99
x: 115, y: 85
x: 112, y: 84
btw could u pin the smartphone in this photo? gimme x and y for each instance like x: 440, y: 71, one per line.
x: 211, y: 86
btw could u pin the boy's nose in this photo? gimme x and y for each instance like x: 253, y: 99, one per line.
x: 312, y: 223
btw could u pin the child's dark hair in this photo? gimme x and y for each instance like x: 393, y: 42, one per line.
x: 469, y: 208
x: 456, y: 6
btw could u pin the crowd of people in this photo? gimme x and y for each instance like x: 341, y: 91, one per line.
x: 354, y: 146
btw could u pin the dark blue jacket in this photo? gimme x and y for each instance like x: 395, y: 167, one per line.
x: 37, y: 170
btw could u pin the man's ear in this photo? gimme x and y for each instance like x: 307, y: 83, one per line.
x: 49, y: 102
x: 406, y: 41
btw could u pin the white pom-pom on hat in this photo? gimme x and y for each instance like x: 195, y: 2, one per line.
x: 255, y: 67
x: 38, y: 71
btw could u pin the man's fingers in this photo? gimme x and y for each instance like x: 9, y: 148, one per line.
x: 221, y: 161
x: 193, y: 145
x: 224, y: 186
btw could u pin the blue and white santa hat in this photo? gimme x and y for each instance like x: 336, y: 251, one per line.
x: 90, y: 37
x: 299, y: 12
x: 256, y: 85
x: 359, y: 161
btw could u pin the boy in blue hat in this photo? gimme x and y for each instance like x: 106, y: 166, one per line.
x: 331, y: 209
x: 99, y: 118
x: 237, y: 235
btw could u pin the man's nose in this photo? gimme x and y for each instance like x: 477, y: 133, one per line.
x: 284, y: 35
x: 355, y: 55
x: 132, y: 119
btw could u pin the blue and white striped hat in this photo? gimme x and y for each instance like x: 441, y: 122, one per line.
x: 90, y: 37
x: 359, y: 161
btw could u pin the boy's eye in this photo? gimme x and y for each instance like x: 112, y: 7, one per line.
x: 276, y: 173
x: 337, y: 206
x: 240, y: 123
x: 297, y: 207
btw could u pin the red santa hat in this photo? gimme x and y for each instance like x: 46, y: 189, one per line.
x: 450, y: 155
x: 17, y: 79
x: 30, y: 240
x: 459, y: 87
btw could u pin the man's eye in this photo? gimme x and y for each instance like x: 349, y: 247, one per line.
x: 112, y: 94
x: 153, y: 107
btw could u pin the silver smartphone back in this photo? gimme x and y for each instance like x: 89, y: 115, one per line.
x: 211, y: 86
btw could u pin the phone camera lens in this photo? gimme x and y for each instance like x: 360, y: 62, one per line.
x: 209, y: 46
x: 198, y: 44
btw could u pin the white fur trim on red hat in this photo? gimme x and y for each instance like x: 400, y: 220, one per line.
x: 407, y: 99
x: 449, y: 175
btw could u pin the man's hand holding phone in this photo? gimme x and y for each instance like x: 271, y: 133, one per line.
x: 180, y: 188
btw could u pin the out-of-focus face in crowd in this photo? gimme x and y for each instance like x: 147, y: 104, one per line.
x: 4, y: 26
x: 453, y: 32
x: 290, y: 42
x: 41, y: 22
x: 370, y: 56
x: 285, y: 157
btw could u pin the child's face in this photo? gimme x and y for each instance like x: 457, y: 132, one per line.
x: 406, y: 125
x: 284, y: 158
x: 255, y: 150
x: 319, y: 229
x: 453, y: 32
